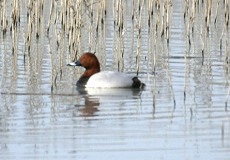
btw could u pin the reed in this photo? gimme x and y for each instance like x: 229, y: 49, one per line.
x: 13, y: 26
x: 119, y: 33
x: 192, y: 17
x: 208, y: 14
x: 168, y: 13
x: 91, y: 26
x: 139, y: 23
x: 14, y: 14
x: 216, y: 13
x: 52, y: 81
x: 203, y: 47
x: 226, y: 99
x: 50, y: 15
x: 3, y: 18
x: 151, y: 55
x: 150, y: 14
x: 226, y: 54
x: 63, y: 14
x: 186, y: 72
x: 221, y: 39
x: 186, y: 9
x: 38, y: 14
x: 29, y: 31
x: 226, y: 13
x: 168, y: 76
x: 162, y: 32
x: 157, y: 16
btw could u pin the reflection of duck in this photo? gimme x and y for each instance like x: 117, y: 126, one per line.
x: 93, y: 96
x: 93, y: 78
x: 90, y: 106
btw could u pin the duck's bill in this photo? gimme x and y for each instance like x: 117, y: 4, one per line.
x: 74, y: 64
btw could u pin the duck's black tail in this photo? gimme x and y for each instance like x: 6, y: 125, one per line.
x: 137, y: 83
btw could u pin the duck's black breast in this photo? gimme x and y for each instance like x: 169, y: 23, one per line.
x: 82, y: 81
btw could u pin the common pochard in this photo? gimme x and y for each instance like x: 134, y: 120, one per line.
x: 93, y: 78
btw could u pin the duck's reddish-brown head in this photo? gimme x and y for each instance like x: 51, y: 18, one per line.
x: 90, y: 62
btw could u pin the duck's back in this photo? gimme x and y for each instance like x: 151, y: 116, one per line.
x: 109, y: 79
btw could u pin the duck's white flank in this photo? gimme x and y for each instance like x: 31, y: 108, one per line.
x: 109, y: 79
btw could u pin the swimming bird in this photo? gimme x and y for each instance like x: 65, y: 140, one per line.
x: 94, y: 78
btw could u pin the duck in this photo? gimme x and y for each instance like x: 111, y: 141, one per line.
x: 93, y: 77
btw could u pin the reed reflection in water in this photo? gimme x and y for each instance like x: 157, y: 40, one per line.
x: 180, y: 49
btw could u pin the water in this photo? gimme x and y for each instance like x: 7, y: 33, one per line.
x: 181, y: 114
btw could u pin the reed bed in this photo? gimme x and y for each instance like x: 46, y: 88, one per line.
x: 77, y: 26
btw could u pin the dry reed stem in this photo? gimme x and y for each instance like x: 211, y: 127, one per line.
x: 203, y: 47
x: 226, y: 13
x: 226, y: 99
x: 140, y: 4
x: 3, y: 18
x: 217, y: 8
x: 168, y: 13
x: 50, y: 15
